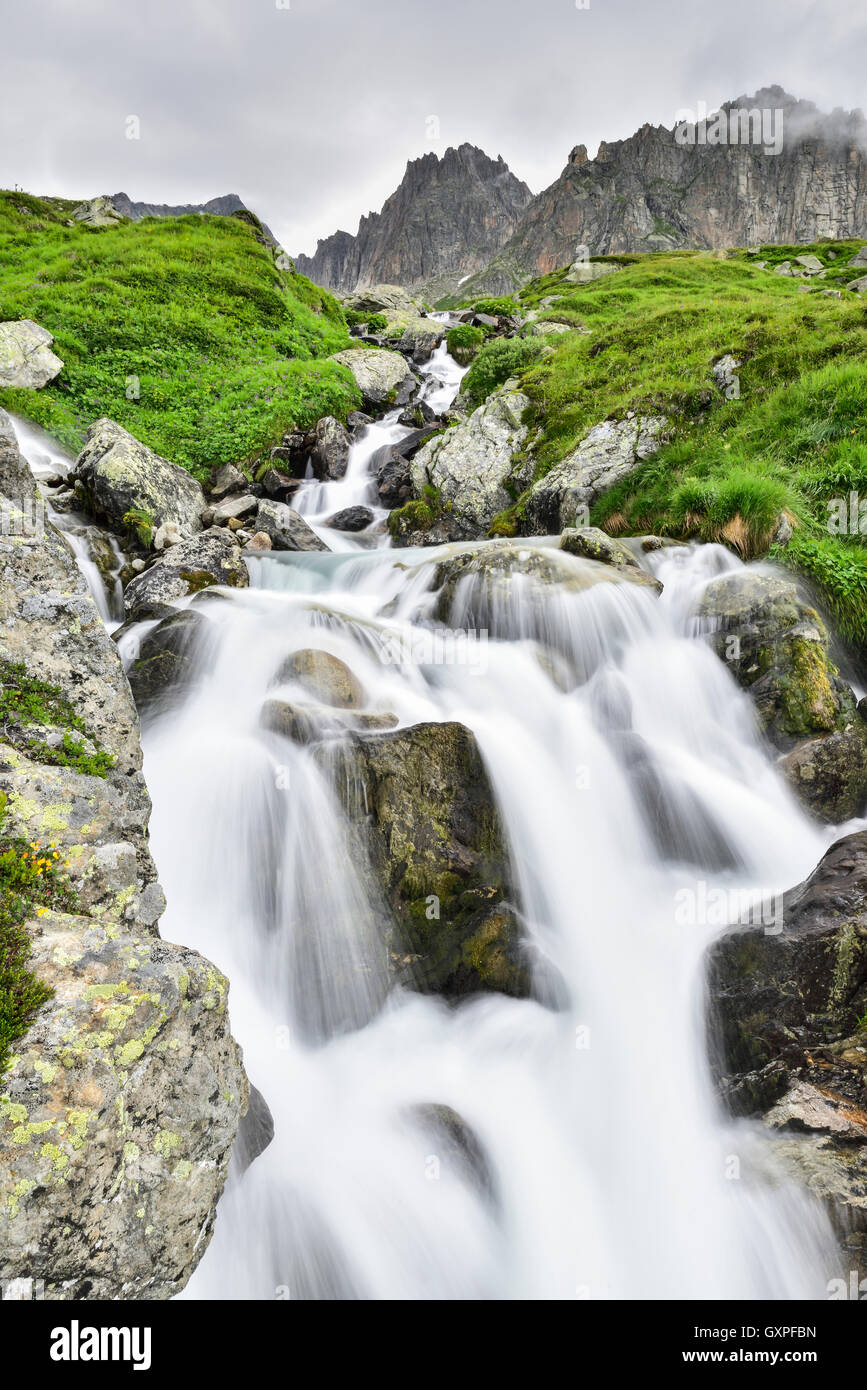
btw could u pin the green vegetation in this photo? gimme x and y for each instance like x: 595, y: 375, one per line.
x: 30, y: 884
x: 183, y: 330
x: 30, y: 708
x: 418, y: 515
x: 792, y: 440
x: 499, y: 359
x: 463, y: 342
x: 141, y: 525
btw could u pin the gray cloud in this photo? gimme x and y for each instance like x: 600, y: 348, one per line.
x: 310, y: 111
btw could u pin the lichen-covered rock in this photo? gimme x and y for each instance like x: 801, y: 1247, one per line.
x: 592, y: 544
x: 117, y: 1116
x: 470, y: 466
x: 26, y: 359
x: 382, y: 377
x: 116, y: 474
x: 423, y: 801
x: 213, y: 557
x: 786, y: 1043
x: 329, y: 451
x: 97, y: 212
x: 129, y: 1065
x: 608, y: 453
x: 776, y: 647
x: 286, y: 529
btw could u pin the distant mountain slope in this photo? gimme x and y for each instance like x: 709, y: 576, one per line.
x: 654, y: 193
x: 219, y: 207
x: 449, y: 216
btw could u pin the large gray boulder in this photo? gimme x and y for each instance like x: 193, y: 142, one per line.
x: 382, y: 377
x: 213, y: 557
x: 119, y: 1108
x: 471, y: 465
x: 285, y: 528
x: 329, y: 453
x: 26, y: 359
x: 608, y: 453
x: 115, y: 474
x: 97, y: 212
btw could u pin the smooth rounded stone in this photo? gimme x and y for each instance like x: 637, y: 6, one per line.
x: 168, y: 534
x: 213, y: 557
x: 166, y: 666
x: 227, y: 479
x: 285, y: 528
x: 323, y: 675
x: 116, y: 474
x: 259, y: 542
x: 351, y: 519
x: 607, y: 453
x: 235, y: 509
x: 590, y: 543
x: 382, y: 377
x: 26, y: 359
x: 471, y: 465
x: 304, y: 723
x: 329, y: 451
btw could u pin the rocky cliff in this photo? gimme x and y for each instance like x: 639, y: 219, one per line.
x: 449, y: 216
x: 218, y: 207
x: 120, y: 1103
x: 804, y: 178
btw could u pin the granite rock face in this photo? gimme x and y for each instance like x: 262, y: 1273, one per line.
x: 115, y: 473
x: 26, y: 359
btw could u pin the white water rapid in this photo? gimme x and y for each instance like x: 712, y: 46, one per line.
x: 611, y: 1169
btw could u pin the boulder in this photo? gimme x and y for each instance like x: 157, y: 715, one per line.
x: 382, y: 377
x: 305, y: 723
x: 392, y: 473
x: 423, y: 805
x: 590, y: 543
x: 351, y: 519
x: 786, y: 1043
x: 285, y: 529
x: 213, y: 557
x: 115, y: 474
x: 166, y: 665
x: 26, y: 359
x: 324, y: 676
x: 582, y: 272
x: 608, y: 453
x: 471, y: 465
x: 810, y: 264
x: 858, y: 286
x: 227, y: 479
x: 329, y: 452
x: 859, y: 260
x: 234, y: 509
x: 776, y: 647
x: 96, y: 212
x: 381, y: 299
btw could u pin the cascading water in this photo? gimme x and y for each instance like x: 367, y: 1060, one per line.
x: 608, y: 1166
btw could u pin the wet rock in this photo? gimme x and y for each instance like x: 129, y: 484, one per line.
x: 357, y: 422
x: 351, y: 519
x: 471, y: 465
x: 325, y: 676
x: 285, y: 529
x: 166, y: 666
x: 422, y: 801
x: 418, y: 415
x: 116, y: 474
x: 26, y: 359
x: 329, y: 450
x: 255, y: 1132
x: 382, y: 377
x: 278, y: 485
x: 608, y: 453
x: 306, y: 723
x: 392, y: 473
x: 593, y: 544
x: 455, y: 1144
x: 784, y: 1011
x: 776, y: 647
x: 213, y: 557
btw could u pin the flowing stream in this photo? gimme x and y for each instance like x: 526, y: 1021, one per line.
x: 609, y: 1169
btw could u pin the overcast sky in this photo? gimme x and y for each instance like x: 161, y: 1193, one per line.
x: 309, y: 109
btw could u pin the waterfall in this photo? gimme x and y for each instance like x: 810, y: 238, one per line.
x: 604, y: 1165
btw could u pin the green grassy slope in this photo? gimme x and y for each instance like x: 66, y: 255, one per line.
x: 183, y: 330
x: 794, y: 441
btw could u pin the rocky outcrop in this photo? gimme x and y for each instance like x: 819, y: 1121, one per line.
x: 786, y: 1040
x: 166, y: 666
x: 422, y: 799
x: 610, y: 452
x: 213, y: 557
x: 472, y: 467
x: 445, y: 221
x: 655, y: 192
x: 122, y: 1099
x: 115, y: 474
x: 285, y: 528
x: 26, y: 359
x: 96, y: 212
x: 776, y: 647
x: 382, y: 377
